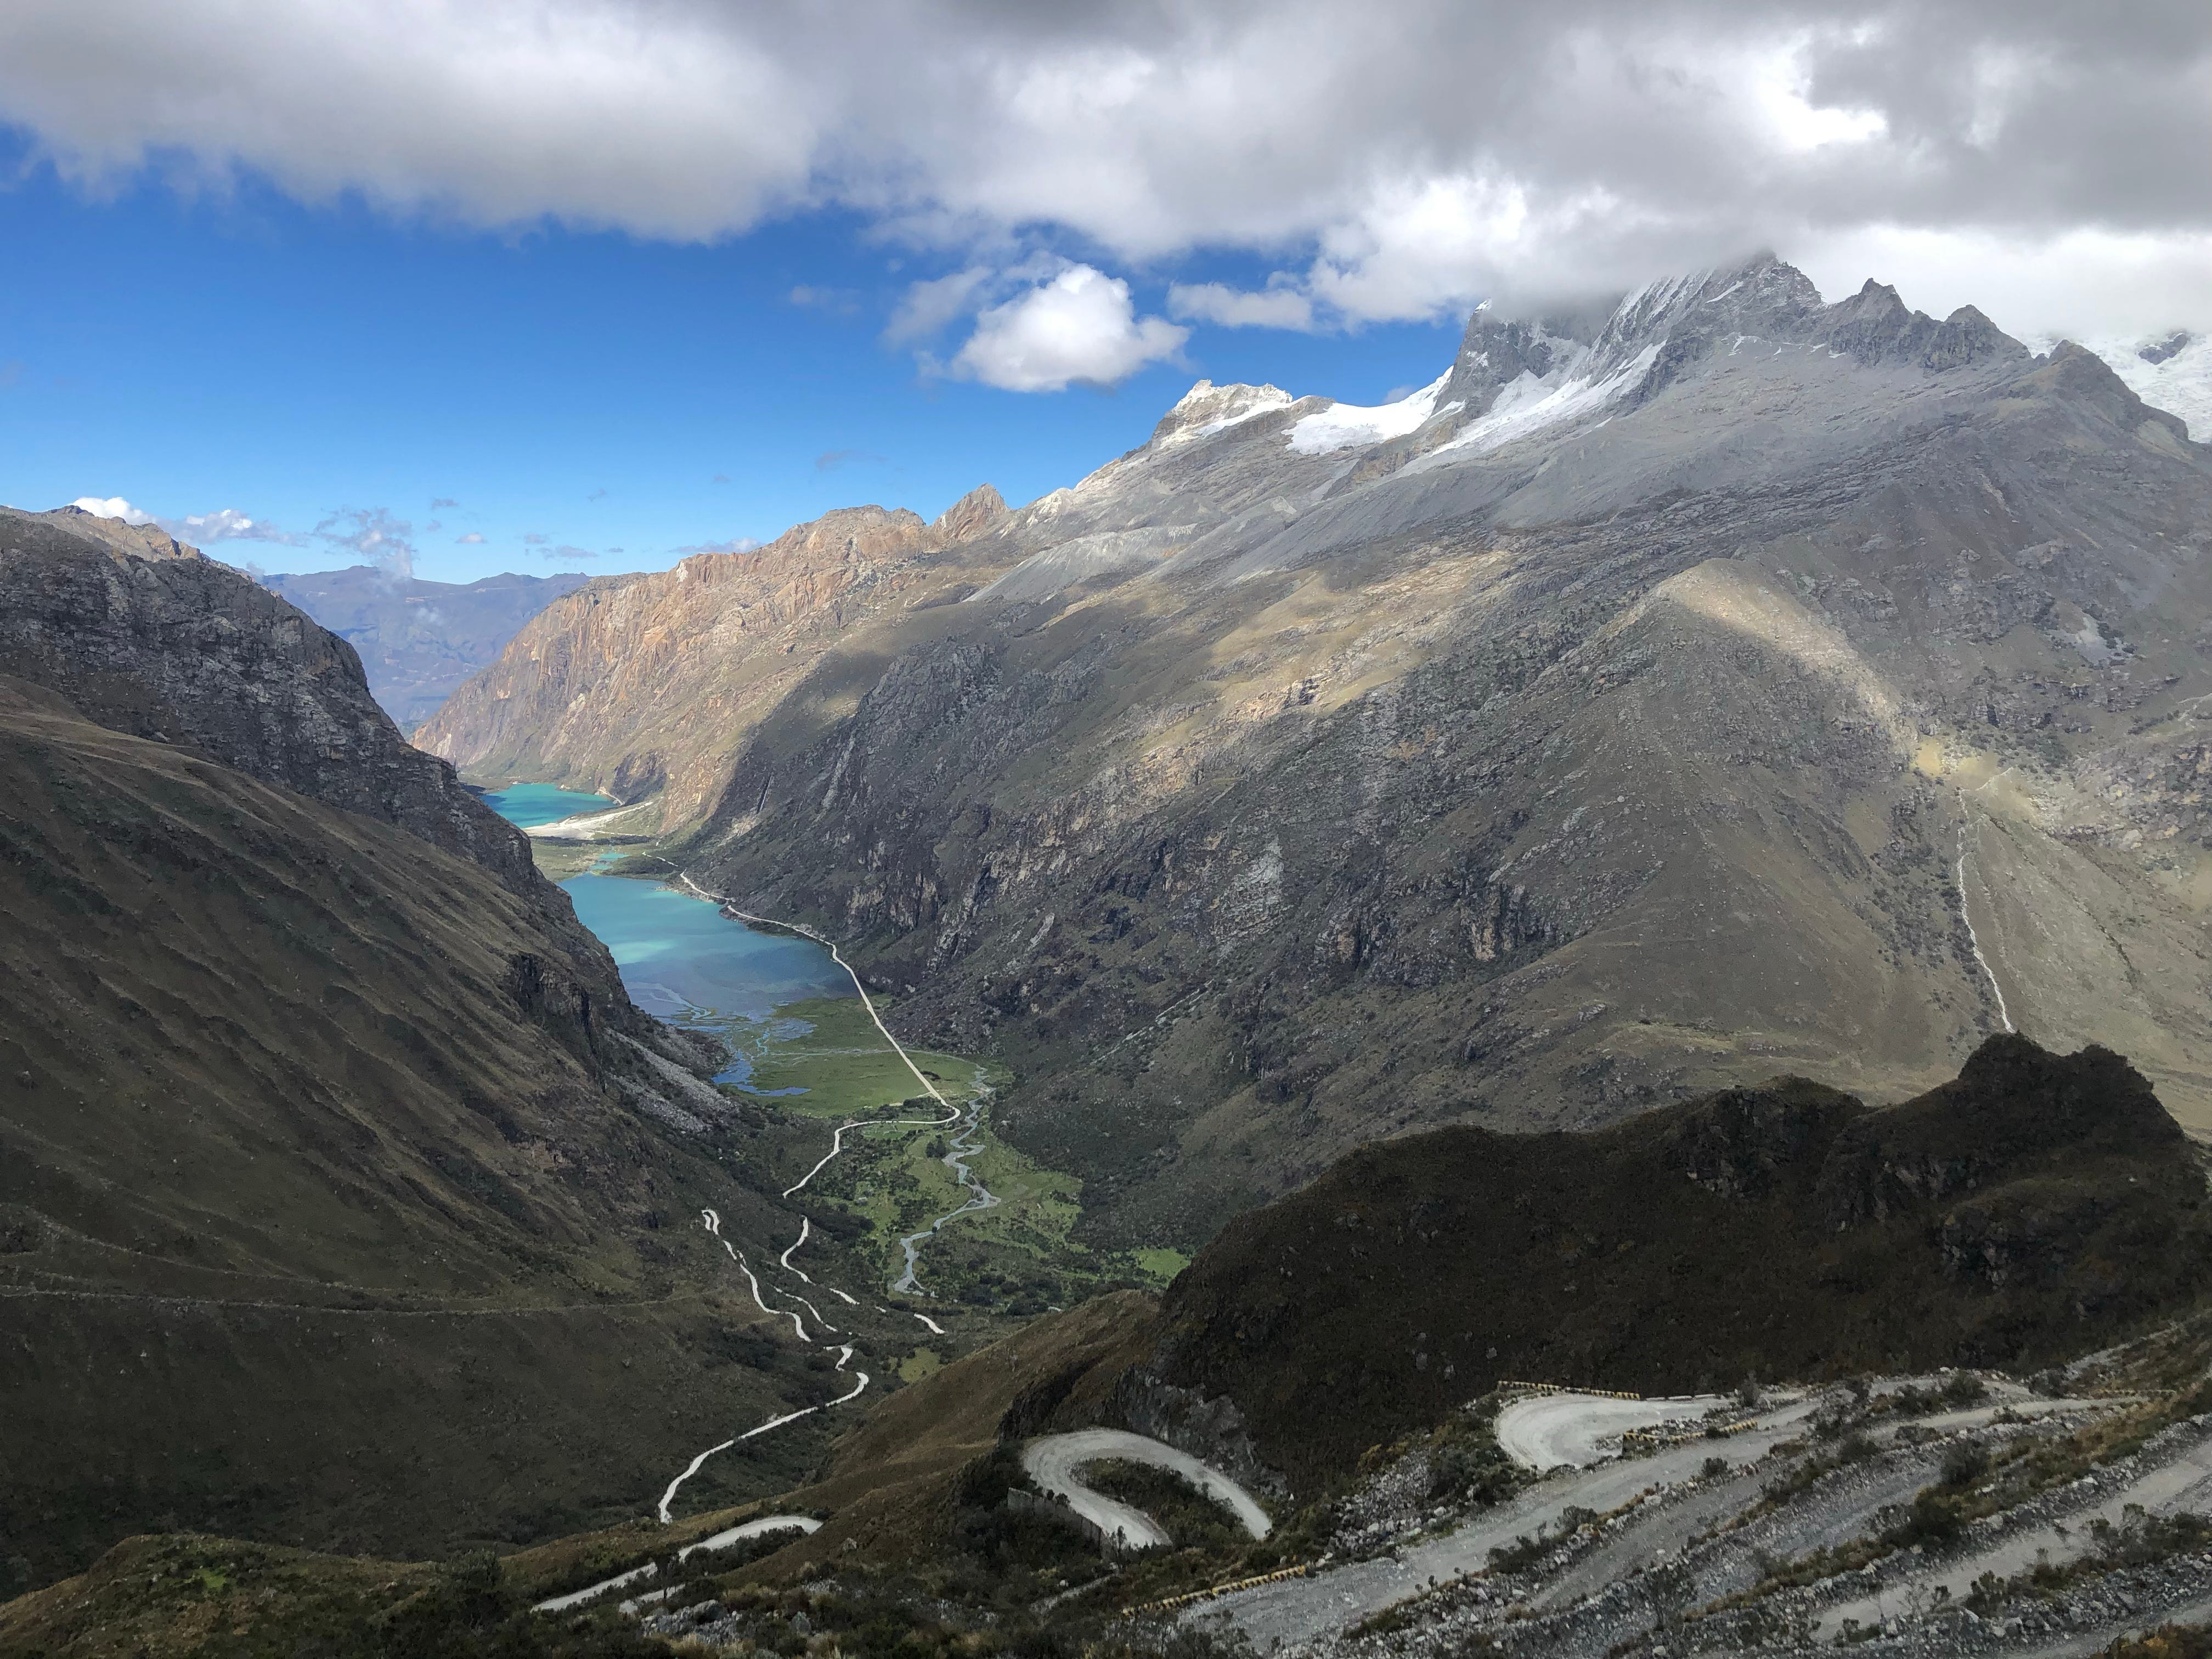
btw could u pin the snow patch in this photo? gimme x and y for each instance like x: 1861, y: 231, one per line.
x: 1528, y: 405
x: 1206, y: 409
x: 1347, y: 426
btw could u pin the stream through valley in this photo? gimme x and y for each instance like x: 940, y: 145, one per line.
x: 684, y: 960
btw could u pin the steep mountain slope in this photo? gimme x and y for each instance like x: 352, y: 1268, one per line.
x: 419, y: 640
x: 182, y: 650
x: 645, y: 686
x: 2034, y: 1209
x: 2171, y: 370
x: 1730, y: 681
x: 333, y: 1164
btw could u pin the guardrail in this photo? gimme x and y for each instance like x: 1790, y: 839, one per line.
x: 1505, y: 1384
x: 1169, y: 1603
x: 1653, y: 1439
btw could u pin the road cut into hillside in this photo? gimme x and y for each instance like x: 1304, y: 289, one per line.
x: 1055, y: 1462
x: 720, y: 1540
x: 2167, y: 1479
x: 1544, y: 1432
x: 1298, y: 1611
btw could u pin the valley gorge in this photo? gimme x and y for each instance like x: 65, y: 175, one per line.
x: 1565, y: 1016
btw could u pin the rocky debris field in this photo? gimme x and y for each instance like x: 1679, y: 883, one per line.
x: 1957, y: 1513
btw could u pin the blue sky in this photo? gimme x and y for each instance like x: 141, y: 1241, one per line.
x: 240, y: 351
x: 561, y: 264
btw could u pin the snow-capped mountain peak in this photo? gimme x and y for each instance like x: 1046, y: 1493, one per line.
x: 1206, y: 409
x: 1349, y: 426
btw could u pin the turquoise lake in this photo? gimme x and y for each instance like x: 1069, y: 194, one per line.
x: 525, y: 805
x: 682, y: 960
x: 685, y: 962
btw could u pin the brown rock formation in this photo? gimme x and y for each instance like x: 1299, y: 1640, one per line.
x: 648, y: 685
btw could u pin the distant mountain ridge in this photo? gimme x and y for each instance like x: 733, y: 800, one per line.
x: 1727, y: 682
x: 420, y: 639
x: 612, y: 684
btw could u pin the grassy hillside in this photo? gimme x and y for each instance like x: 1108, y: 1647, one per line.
x: 891, y: 1487
x: 310, y: 1228
x: 2034, y: 1209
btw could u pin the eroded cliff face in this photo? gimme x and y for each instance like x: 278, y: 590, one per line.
x: 1729, y: 684
x: 647, y: 686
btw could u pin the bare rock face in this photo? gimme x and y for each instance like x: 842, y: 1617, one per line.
x: 1206, y: 409
x: 147, y: 541
x: 182, y: 650
x: 1789, y: 1229
x: 646, y: 685
x: 162, y: 647
x: 978, y: 513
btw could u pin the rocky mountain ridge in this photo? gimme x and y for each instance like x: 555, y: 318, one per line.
x: 147, y: 541
x: 2035, y: 1208
x: 1731, y: 681
x: 658, y: 671
x: 181, y: 650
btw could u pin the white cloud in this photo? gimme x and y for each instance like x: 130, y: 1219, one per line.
x: 928, y: 307
x: 113, y: 506
x: 227, y: 524
x: 1217, y: 302
x: 474, y: 539
x: 371, y: 533
x: 1398, y: 158
x: 1080, y: 327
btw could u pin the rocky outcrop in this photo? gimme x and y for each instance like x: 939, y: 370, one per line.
x: 1788, y: 1230
x: 978, y: 513
x: 1206, y: 409
x: 147, y: 541
x: 185, y: 651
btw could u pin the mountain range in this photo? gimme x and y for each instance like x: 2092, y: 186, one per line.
x: 1726, y: 683
x: 1416, y: 856
x: 419, y: 640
